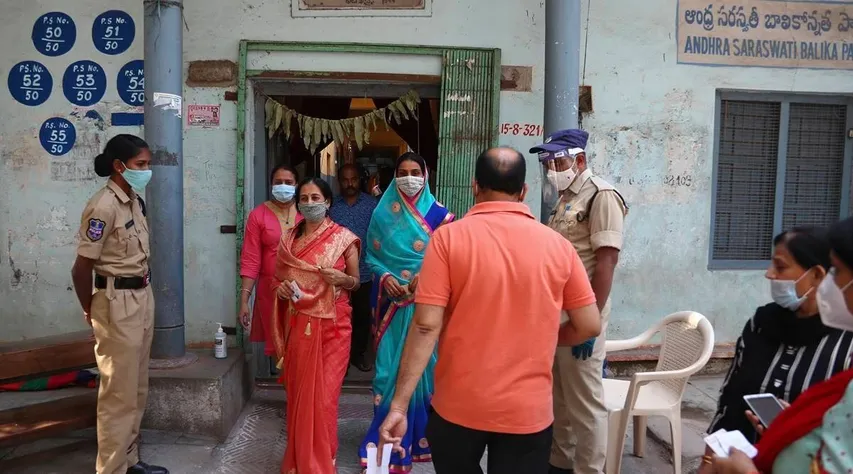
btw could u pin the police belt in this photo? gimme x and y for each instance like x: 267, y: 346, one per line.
x: 123, y: 283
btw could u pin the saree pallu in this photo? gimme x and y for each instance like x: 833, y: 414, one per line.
x: 398, y: 235
x: 396, y: 321
x: 818, y: 421
x: 312, y: 339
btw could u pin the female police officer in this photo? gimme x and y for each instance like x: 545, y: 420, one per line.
x: 114, y: 245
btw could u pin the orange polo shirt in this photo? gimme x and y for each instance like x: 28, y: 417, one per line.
x: 503, y: 278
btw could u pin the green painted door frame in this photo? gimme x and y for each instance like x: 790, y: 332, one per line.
x: 470, y: 112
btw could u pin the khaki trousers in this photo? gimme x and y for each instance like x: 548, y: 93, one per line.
x: 123, y: 321
x: 579, y: 412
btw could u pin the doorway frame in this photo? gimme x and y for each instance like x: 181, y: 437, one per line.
x: 244, y: 74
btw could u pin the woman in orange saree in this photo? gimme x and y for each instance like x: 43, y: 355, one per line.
x: 312, y: 326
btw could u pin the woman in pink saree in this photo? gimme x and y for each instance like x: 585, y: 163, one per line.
x: 264, y: 228
x: 312, y: 326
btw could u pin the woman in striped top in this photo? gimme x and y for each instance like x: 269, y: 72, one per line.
x: 785, y: 348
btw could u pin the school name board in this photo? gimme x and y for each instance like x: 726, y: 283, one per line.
x: 361, y: 4
x: 766, y: 33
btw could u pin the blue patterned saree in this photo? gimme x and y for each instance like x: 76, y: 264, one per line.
x: 396, y: 240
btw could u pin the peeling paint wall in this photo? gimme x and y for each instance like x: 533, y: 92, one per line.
x: 651, y: 135
x: 41, y: 196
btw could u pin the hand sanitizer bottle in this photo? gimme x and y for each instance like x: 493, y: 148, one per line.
x: 220, y: 346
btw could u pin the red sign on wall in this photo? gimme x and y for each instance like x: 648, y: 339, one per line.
x: 203, y: 115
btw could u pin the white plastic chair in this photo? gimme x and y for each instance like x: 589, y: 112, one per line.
x: 688, y: 340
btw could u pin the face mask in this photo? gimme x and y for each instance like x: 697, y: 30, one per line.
x: 313, y: 211
x: 283, y: 192
x: 410, y: 185
x: 137, y: 179
x: 784, y: 293
x: 561, y: 180
x: 832, y: 306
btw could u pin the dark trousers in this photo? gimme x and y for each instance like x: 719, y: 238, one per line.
x: 360, y: 301
x: 458, y: 450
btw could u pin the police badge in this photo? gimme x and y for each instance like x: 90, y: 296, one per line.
x: 95, y: 230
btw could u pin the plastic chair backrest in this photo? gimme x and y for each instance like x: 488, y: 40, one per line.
x: 688, y: 340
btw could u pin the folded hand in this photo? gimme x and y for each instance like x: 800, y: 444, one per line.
x: 393, y: 287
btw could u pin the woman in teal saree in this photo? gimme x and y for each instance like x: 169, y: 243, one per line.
x: 399, y: 231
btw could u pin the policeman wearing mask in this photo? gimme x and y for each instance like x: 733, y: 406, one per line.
x: 114, y: 246
x: 589, y: 212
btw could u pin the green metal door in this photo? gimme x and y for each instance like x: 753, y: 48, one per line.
x: 470, y: 110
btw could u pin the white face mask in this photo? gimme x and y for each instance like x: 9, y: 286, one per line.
x: 832, y: 306
x: 561, y: 180
x: 784, y: 293
x: 410, y: 185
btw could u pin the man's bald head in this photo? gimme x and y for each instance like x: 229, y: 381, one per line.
x: 501, y: 170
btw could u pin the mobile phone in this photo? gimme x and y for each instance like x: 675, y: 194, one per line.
x: 765, y: 406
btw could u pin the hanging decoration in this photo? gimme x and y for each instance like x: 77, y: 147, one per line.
x: 317, y: 131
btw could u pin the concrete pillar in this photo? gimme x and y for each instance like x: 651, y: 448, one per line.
x: 165, y: 194
x: 562, y: 67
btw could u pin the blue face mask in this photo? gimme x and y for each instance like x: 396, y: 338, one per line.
x: 784, y: 293
x: 137, y: 179
x: 283, y: 192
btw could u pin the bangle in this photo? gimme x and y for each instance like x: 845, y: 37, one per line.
x: 354, y: 283
x: 707, y: 459
x: 246, y: 290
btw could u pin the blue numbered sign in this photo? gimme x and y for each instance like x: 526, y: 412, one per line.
x: 131, y: 83
x: 84, y: 83
x: 57, y: 136
x: 113, y: 32
x: 30, y: 83
x: 54, y: 34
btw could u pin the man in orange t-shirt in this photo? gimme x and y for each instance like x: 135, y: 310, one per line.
x: 491, y: 291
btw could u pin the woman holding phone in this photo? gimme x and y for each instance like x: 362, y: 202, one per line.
x: 785, y: 347
x: 815, y: 433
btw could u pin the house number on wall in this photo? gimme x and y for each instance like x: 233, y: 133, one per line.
x: 523, y: 129
x: 678, y: 180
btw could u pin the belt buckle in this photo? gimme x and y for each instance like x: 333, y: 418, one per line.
x: 147, y: 279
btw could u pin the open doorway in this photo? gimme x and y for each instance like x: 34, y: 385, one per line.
x: 375, y: 159
x: 339, y: 100
x: 463, y: 92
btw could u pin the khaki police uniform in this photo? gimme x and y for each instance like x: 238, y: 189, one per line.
x: 579, y: 412
x: 114, y: 233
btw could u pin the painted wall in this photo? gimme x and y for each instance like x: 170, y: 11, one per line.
x: 653, y: 118
x: 42, y: 196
